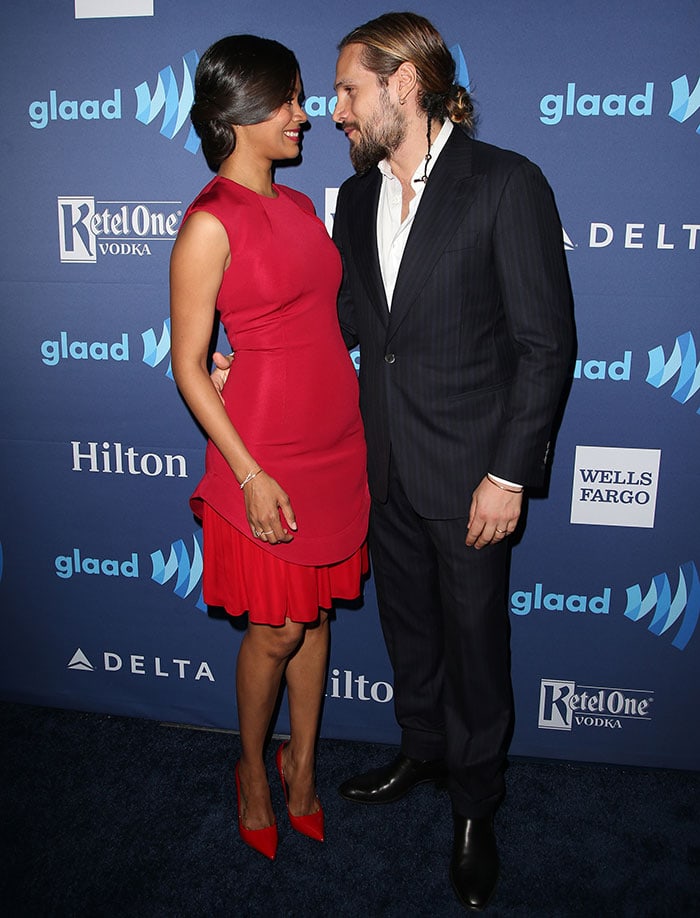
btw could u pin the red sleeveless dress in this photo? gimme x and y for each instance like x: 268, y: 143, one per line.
x: 292, y: 395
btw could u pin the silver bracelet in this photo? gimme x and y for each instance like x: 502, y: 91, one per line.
x: 249, y: 477
x: 502, y: 486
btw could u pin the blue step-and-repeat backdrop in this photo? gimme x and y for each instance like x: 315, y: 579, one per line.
x: 100, y: 564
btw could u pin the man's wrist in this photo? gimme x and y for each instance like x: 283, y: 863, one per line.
x: 504, y: 484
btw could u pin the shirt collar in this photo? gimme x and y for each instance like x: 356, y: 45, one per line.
x: 435, y: 150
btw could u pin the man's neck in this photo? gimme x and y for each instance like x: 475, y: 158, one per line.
x: 405, y: 160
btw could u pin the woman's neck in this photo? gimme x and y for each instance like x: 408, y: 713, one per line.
x: 255, y: 176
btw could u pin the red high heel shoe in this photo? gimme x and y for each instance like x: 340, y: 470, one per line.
x: 311, y: 824
x: 263, y: 840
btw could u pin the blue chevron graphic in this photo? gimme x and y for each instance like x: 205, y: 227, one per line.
x: 685, y: 104
x: 177, y: 104
x: 188, y: 570
x: 684, y: 361
x: 462, y: 74
x: 155, y: 350
x: 667, y: 610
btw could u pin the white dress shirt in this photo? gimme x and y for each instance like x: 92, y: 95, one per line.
x: 392, y: 234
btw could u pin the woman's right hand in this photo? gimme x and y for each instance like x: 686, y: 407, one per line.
x: 264, y: 500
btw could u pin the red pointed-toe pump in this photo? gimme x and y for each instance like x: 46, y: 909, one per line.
x: 262, y: 840
x: 311, y: 824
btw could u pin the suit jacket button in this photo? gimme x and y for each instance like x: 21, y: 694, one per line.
x: 390, y: 358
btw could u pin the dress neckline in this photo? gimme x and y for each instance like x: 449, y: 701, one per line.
x: 257, y: 194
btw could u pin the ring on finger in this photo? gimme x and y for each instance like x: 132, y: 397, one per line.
x: 501, y: 530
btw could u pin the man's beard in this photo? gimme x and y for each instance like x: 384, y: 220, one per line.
x: 380, y: 136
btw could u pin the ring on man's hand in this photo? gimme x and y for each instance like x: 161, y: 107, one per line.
x: 501, y: 530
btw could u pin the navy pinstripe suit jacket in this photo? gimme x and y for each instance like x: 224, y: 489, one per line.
x: 465, y: 374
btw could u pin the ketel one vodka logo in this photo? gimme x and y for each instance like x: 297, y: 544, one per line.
x: 565, y: 705
x: 88, y: 228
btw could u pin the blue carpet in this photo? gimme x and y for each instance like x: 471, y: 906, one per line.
x: 114, y: 816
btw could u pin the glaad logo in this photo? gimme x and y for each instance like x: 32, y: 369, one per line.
x: 188, y: 570
x: 75, y: 563
x: 616, y: 370
x: 177, y: 103
x: 63, y: 349
x: 155, y: 350
x: 554, y: 107
x: 667, y: 610
x: 683, y: 361
x: 462, y: 72
x: 684, y: 104
x: 43, y: 111
x: 87, y: 227
x: 113, y: 662
x: 563, y: 705
x: 522, y: 602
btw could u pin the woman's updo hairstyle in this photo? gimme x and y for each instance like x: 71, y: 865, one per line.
x: 241, y: 79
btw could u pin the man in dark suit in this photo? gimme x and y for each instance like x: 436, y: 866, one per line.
x: 456, y: 289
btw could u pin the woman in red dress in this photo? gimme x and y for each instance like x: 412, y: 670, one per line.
x: 283, y: 501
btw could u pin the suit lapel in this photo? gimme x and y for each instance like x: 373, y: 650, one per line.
x: 448, y: 194
x: 363, y: 238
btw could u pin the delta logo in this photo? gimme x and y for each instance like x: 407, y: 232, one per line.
x: 682, y: 237
x: 136, y: 664
x: 670, y: 607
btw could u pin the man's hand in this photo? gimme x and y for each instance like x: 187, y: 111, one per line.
x: 493, y: 515
x: 220, y: 374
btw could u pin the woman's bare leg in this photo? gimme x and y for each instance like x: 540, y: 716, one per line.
x: 263, y: 655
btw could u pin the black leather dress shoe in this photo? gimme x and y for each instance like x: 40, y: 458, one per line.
x: 390, y: 783
x: 474, y: 864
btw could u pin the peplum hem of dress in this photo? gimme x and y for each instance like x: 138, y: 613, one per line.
x: 323, y: 546
x: 241, y: 578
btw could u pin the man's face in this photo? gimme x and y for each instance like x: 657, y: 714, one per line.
x: 373, y: 122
